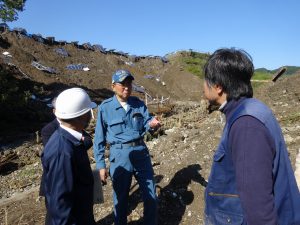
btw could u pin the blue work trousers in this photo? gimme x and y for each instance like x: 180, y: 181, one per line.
x: 126, y: 162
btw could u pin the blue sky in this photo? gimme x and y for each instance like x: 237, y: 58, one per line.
x: 269, y: 30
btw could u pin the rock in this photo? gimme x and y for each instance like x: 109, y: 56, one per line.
x: 288, y: 139
x: 134, y: 216
x: 297, y: 169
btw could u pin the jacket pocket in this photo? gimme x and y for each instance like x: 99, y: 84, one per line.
x: 138, y: 122
x: 219, y: 155
x: 219, y: 172
x: 113, y: 155
x: 116, y: 125
x: 223, y: 218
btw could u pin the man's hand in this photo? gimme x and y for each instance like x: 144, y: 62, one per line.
x: 103, y: 175
x: 154, y: 123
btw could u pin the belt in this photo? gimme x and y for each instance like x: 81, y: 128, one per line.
x: 134, y: 143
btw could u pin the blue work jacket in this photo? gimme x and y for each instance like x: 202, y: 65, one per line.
x: 117, y: 126
x: 68, y: 180
x: 223, y: 205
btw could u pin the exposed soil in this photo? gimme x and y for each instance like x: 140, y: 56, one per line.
x: 181, y: 153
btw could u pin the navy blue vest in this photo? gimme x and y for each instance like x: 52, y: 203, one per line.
x: 223, y: 204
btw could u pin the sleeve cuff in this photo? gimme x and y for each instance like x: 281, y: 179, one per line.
x: 100, y: 165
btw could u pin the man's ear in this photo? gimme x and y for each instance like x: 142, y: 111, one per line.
x: 219, y: 89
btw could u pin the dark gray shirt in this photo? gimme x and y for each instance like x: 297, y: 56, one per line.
x: 253, y: 151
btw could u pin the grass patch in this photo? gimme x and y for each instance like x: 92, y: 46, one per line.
x: 194, y: 62
x: 256, y: 85
x: 258, y: 75
x: 28, y: 173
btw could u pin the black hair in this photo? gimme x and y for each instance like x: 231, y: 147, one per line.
x: 232, y: 69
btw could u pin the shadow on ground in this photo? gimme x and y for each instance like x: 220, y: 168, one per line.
x: 173, y: 198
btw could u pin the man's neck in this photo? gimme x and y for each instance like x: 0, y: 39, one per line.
x: 121, y: 100
x: 76, y: 133
x: 71, y: 126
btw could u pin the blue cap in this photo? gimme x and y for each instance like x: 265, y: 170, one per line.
x: 120, y: 75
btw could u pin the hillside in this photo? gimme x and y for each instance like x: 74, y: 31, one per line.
x: 23, y: 83
x: 59, y: 65
x: 264, y: 74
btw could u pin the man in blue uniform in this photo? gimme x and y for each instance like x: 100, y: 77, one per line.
x: 251, y: 180
x: 68, y: 179
x: 122, y: 122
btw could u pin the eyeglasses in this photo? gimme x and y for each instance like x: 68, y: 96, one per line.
x: 125, y: 84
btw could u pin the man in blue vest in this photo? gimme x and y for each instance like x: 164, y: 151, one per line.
x: 122, y: 122
x: 251, y: 180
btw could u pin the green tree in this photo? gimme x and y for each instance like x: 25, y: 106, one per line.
x: 9, y: 9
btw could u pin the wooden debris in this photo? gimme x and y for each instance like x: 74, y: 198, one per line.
x: 278, y: 74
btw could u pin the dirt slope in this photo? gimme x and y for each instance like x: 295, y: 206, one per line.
x: 24, y: 50
x: 168, y: 80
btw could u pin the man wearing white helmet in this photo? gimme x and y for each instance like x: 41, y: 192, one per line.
x: 68, y: 178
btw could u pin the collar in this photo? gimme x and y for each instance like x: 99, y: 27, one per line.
x: 74, y: 133
x: 125, y: 105
x: 66, y: 134
x: 116, y: 102
x: 222, y: 106
x: 230, y: 107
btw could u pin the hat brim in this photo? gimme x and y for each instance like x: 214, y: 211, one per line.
x: 93, y: 105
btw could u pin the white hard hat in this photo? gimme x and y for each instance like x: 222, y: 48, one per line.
x: 73, y: 103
